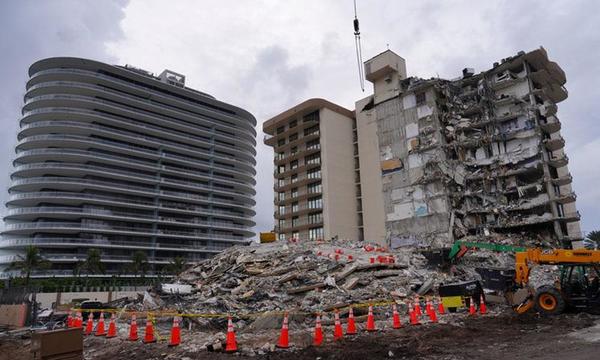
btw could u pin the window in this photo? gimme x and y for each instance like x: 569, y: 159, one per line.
x: 280, y: 129
x: 296, y: 235
x: 280, y: 182
x: 315, y: 203
x: 313, y: 130
x: 294, y: 137
x: 293, y: 123
x: 315, y: 218
x: 421, y: 98
x: 295, y: 207
x: 313, y: 144
x: 315, y: 234
x: 313, y: 159
x: 281, y: 237
x: 281, y: 224
x: 281, y: 142
x: 295, y: 221
x: 314, y: 188
x: 294, y: 150
x: 281, y: 196
x: 294, y: 164
x: 314, y: 174
x: 281, y: 169
x: 313, y: 116
x: 281, y: 209
x: 294, y: 192
x: 279, y: 156
x: 294, y: 178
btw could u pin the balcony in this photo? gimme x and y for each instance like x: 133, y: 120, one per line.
x: 554, y: 144
x: 558, y: 161
x: 550, y: 125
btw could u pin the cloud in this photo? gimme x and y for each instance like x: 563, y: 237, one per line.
x: 267, y: 55
x: 32, y: 30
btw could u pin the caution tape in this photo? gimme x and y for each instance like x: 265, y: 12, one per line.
x: 170, y: 313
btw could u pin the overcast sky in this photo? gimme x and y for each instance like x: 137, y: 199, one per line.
x: 267, y: 56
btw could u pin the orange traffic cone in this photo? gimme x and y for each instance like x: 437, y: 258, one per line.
x: 284, y: 337
x: 89, y: 327
x: 428, y: 306
x: 318, y: 332
x: 133, y: 331
x: 338, y: 333
x: 175, y: 333
x: 149, y: 332
x: 417, y: 307
x: 472, y: 310
x: 231, y: 345
x: 371, y: 320
x: 351, y: 326
x: 79, y: 320
x: 69, y: 321
x: 100, y: 330
x: 414, y: 320
x: 441, y: 309
x: 395, y: 318
x: 482, y: 307
x: 112, y: 327
x: 432, y: 316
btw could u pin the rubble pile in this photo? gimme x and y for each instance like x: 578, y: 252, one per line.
x: 310, y: 277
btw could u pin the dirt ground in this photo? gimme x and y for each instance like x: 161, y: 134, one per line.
x: 569, y: 336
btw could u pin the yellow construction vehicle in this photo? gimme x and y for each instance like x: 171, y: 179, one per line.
x: 578, y: 287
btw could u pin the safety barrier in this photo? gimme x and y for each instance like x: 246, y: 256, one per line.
x: 415, y: 314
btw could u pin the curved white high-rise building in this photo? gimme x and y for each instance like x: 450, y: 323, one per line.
x: 117, y: 159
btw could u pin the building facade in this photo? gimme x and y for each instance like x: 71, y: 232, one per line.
x: 117, y: 159
x: 472, y: 156
x: 437, y: 160
x: 316, y: 160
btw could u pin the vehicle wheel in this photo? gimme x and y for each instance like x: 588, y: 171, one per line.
x: 549, y: 301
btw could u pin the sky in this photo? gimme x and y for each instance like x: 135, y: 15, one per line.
x: 268, y: 55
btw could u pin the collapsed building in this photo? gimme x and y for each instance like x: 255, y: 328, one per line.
x: 439, y: 160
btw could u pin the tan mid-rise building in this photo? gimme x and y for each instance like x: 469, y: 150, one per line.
x: 317, y: 184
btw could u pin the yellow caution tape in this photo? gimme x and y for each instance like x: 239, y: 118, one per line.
x: 154, y: 314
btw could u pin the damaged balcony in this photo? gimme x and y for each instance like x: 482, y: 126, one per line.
x: 562, y: 180
x: 550, y: 124
x: 565, y: 198
x: 558, y: 160
x: 554, y: 144
x: 569, y: 217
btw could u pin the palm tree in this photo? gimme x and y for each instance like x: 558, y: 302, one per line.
x: 177, y: 265
x: 93, y: 262
x: 31, y: 261
x: 592, y: 240
x: 139, y: 263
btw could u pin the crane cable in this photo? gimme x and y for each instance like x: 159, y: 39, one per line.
x: 361, y: 75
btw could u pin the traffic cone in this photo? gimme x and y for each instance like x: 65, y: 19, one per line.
x: 395, y: 318
x: 414, y: 320
x: 69, y: 321
x: 149, y: 332
x: 428, y: 306
x: 79, y: 320
x: 351, y: 326
x: 441, y: 309
x: 338, y: 333
x: 284, y: 337
x: 472, y: 310
x: 318, y: 332
x: 417, y: 307
x: 175, y: 333
x: 371, y: 320
x: 89, y: 327
x: 432, y: 315
x: 133, y: 331
x: 112, y: 328
x: 482, y: 307
x: 231, y: 345
x: 100, y: 330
